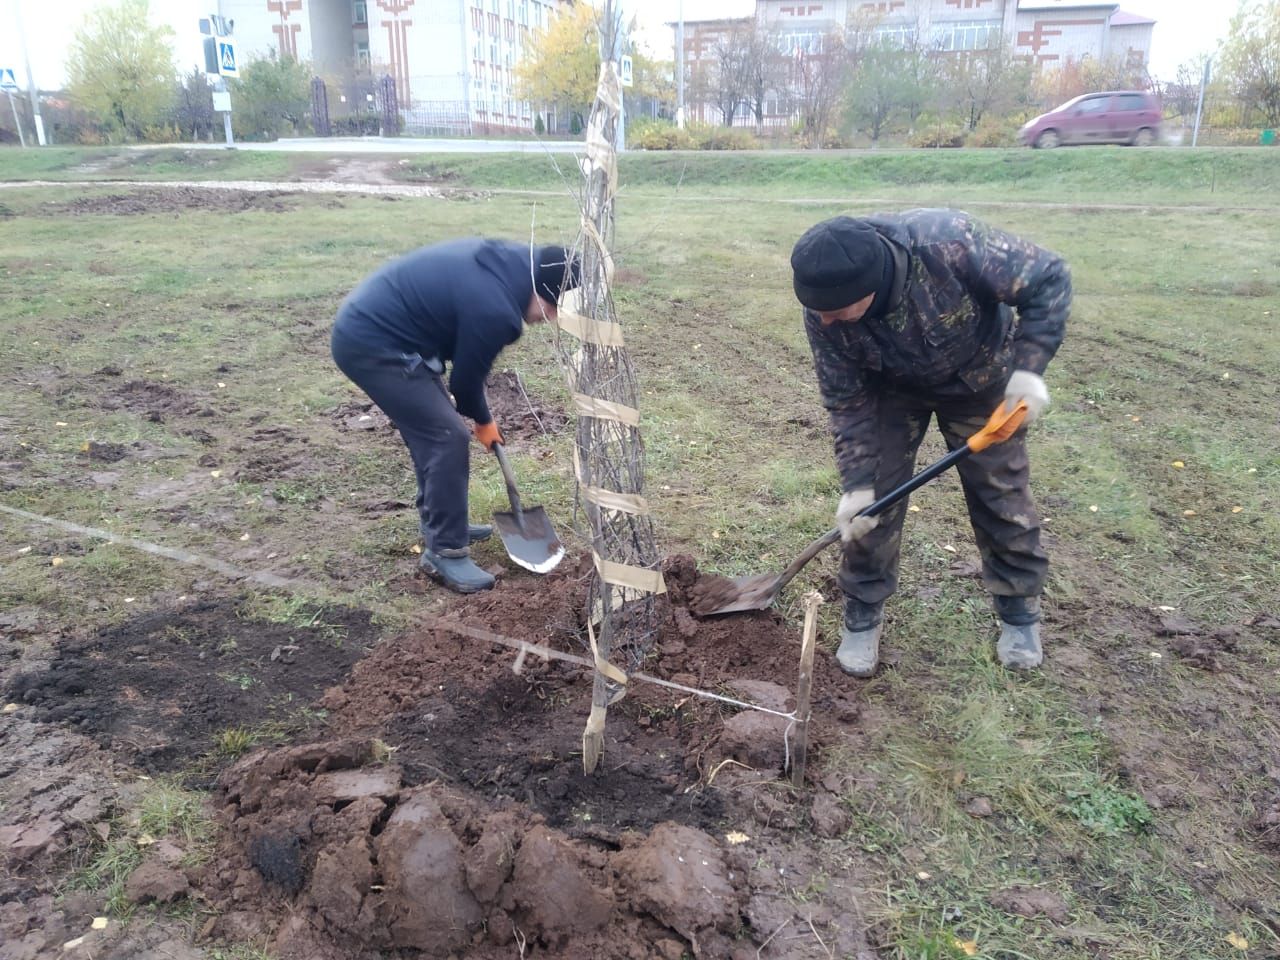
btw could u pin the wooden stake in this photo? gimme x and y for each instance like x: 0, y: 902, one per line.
x: 812, y: 601
x: 593, y: 735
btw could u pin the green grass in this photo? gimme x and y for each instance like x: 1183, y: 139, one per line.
x: 740, y: 474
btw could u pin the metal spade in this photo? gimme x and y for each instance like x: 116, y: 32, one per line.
x: 526, y: 532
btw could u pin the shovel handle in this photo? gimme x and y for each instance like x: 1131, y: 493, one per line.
x: 512, y: 494
x: 1002, y: 425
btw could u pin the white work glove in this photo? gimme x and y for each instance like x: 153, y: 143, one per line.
x: 852, y: 526
x: 1028, y: 387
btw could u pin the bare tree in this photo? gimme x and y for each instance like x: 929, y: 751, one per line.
x: 983, y: 82
x: 1251, y: 57
x: 193, y: 106
x: 725, y: 80
x: 765, y: 69
x: 818, y: 84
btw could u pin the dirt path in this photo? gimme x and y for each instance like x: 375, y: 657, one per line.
x: 430, y: 192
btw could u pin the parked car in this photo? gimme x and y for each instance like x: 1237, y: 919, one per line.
x: 1119, y: 116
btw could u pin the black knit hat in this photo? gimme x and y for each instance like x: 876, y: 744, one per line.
x: 554, y: 271
x: 837, y: 262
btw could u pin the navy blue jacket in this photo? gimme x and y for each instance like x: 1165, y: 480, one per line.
x: 461, y: 301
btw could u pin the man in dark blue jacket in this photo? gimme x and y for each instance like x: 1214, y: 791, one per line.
x: 459, y: 302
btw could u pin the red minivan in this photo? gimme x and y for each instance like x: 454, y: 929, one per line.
x: 1120, y: 116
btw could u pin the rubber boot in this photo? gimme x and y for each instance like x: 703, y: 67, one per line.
x: 456, y: 570
x: 859, y: 651
x: 1019, y: 645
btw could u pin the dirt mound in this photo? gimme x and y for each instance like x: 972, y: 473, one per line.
x: 161, y: 687
x: 173, y: 200
x: 449, y: 814
x: 154, y: 401
x: 520, y: 414
x: 348, y: 861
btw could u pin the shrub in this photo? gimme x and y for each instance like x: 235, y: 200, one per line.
x: 647, y: 134
x: 946, y: 135
x: 709, y: 137
x: 993, y: 133
x: 539, y: 127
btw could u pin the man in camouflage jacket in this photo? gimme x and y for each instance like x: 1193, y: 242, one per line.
x: 910, y: 316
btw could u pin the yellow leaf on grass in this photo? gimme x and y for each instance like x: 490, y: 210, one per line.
x: 416, y: 548
x: 1094, y: 508
x: 1178, y: 464
x: 968, y: 947
x: 1188, y: 513
x: 56, y: 562
x: 736, y: 837
x: 1237, y: 941
x: 99, y: 923
x: 1237, y: 509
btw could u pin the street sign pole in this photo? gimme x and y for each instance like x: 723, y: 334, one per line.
x: 226, y: 114
x: 22, y: 137
x: 31, y: 83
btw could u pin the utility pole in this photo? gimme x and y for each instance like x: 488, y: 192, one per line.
x: 22, y: 137
x: 680, y: 67
x: 1204, y: 82
x: 31, y: 83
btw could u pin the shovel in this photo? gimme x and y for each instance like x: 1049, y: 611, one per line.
x: 758, y: 592
x: 526, y: 532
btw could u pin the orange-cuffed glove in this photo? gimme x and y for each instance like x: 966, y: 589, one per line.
x: 487, y: 434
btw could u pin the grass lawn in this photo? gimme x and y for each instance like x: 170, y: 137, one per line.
x: 1128, y: 779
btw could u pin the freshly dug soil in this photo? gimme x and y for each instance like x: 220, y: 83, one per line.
x: 447, y: 814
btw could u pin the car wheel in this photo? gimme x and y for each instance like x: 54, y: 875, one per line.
x: 1048, y: 140
x: 1144, y: 137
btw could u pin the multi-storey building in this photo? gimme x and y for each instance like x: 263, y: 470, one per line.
x: 452, y: 60
x: 1044, y: 32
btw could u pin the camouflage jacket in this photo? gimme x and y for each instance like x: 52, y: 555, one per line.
x: 950, y: 334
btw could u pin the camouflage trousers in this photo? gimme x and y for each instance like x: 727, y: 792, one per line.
x: 996, y: 488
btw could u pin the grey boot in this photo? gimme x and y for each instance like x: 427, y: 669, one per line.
x: 1019, y: 645
x: 859, y: 652
x: 456, y: 570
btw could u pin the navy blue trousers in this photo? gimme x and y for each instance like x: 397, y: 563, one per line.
x: 411, y: 391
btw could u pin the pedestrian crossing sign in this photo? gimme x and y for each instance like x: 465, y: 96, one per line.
x: 7, y: 79
x: 227, y: 66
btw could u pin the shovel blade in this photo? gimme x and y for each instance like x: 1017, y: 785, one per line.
x: 534, y: 545
x: 719, y: 595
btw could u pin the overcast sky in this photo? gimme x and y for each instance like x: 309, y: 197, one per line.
x: 1184, y: 28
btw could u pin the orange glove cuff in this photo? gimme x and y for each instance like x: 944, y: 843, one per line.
x: 487, y: 434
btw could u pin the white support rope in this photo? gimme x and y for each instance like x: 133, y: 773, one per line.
x: 523, y: 647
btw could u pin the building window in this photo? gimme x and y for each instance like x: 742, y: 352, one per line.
x: 359, y: 12
x: 362, y: 53
x: 968, y: 35
x: 524, y: 13
x: 897, y: 36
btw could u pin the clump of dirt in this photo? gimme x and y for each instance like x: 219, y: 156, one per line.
x: 333, y: 855
x: 154, y: 401
x: 173, y: 200
x: 159, y: 688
